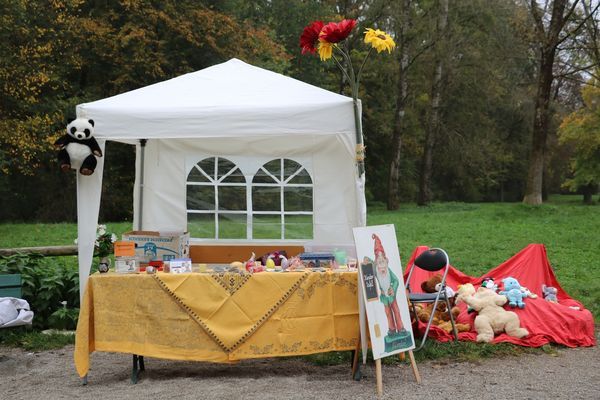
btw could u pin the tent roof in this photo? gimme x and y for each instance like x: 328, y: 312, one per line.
x: 229, y: 99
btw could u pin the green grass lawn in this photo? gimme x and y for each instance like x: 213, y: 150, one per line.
x: 477, y: 238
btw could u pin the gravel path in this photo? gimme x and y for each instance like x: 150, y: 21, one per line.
x: 571, y: 374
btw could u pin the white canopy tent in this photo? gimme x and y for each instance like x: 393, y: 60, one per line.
x: 233, y: 110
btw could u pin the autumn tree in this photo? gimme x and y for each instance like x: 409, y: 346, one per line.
x: 581, y: 131
x: 554, y: 22
x: 433, y: 123
x: 54, y: 55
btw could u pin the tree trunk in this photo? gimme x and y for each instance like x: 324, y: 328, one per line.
x: 402, y: 92
x: 548, y: 41
x: 533, y: 191
x: 589, y: 191
x: 433, y: 125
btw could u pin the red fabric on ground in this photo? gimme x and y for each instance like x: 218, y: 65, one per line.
x: 546, y: 322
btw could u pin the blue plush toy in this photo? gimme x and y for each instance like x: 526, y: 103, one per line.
x: 513, y: 292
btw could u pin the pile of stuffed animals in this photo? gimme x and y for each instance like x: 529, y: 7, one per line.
x: 491, y: 317
x: 441, y: 318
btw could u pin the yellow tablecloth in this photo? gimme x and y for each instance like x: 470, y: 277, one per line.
x: 225, y: 318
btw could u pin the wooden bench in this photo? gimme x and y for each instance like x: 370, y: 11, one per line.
x: 225, y: 254
x: 10, y: 285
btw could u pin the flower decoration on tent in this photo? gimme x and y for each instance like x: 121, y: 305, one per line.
x: 105, y: 240
x: 310, y: 37
x: 379, y: 40
x: 329, y: 39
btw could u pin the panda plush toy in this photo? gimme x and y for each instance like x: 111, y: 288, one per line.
x: 78, y: 148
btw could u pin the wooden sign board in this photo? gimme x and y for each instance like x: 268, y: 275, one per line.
x: 383, y: 290
x: 383, y: 297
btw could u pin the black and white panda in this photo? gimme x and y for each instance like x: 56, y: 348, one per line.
x: 78, y: 147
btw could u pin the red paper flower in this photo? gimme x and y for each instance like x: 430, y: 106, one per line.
x: 310, y: 37
x: 336, y: 32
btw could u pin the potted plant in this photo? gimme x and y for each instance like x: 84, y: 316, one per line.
x: 103, y: 247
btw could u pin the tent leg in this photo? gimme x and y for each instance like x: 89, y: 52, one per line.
x: 138, y: 366
x: 141, y: 183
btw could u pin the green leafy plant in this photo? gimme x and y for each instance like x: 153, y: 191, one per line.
x: 104, y: 242
x: 46, y: 283
x: 64, y: 318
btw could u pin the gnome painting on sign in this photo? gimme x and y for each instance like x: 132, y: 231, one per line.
x: 383, y: 290
x: 388, y: 286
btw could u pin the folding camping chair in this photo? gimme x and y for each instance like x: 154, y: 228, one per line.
x: 431, y: 260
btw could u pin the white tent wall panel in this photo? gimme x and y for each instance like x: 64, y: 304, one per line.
x: 232, y: 110
x: 89, y: 191
x: 330, y: 165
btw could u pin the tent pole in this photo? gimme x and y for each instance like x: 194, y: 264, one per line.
x: 141, y: 202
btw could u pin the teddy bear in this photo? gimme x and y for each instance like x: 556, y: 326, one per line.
x: 513, y: 292
x: 441, y: 318
x: 491, y: 318
x: 434, y: 284
x: 78, y: 149
x: 550, y: 293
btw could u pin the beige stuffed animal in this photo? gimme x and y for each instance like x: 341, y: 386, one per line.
x: 491, y: 318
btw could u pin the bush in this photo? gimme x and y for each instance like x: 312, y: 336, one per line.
x: 47, y: 284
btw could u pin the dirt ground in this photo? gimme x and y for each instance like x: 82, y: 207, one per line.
x: 571, y: 374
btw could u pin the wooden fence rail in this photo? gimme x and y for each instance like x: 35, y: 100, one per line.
x: 45, y: 250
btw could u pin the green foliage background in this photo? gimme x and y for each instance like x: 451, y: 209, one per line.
x: 54, y: 55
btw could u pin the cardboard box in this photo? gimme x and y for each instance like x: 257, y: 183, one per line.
x: 150, y: 245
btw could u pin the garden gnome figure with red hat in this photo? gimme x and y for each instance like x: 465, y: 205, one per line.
x: 388, y: 285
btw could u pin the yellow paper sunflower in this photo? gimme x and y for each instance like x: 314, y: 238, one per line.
x: 325, y: 50
x: 379, y: 40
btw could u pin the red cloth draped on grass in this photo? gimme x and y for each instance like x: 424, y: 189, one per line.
x: 546, y: 322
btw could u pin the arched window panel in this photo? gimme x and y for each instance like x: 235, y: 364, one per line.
x: 200, y: 198
x: 201, y: 226
x: 263, y: 176
x: 282, y: 201
x: 266, y: 226
x: 216, y: 200
x: 197, y: 175
x: 297, y: 198
x: 290, y: 168
x: 232, y: 226
x: 232, y: 198
x: 300, y: 177
x: 229, y: 172
x: 266, y: 198
x: 279, y: 207
x: 273, y: 167
x: 208, y: 167
x: 234, y: 176
x: 298, y: 226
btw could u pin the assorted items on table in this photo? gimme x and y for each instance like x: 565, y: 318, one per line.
x: 218, y: 317
x: 148, y: 251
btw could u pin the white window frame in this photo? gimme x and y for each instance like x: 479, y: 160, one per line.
x: 215, y: 182
x: 281, y: 182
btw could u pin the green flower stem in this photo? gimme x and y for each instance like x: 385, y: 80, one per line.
x: 362, y: 66
x: 342, y: 69
x: 354, y: 80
